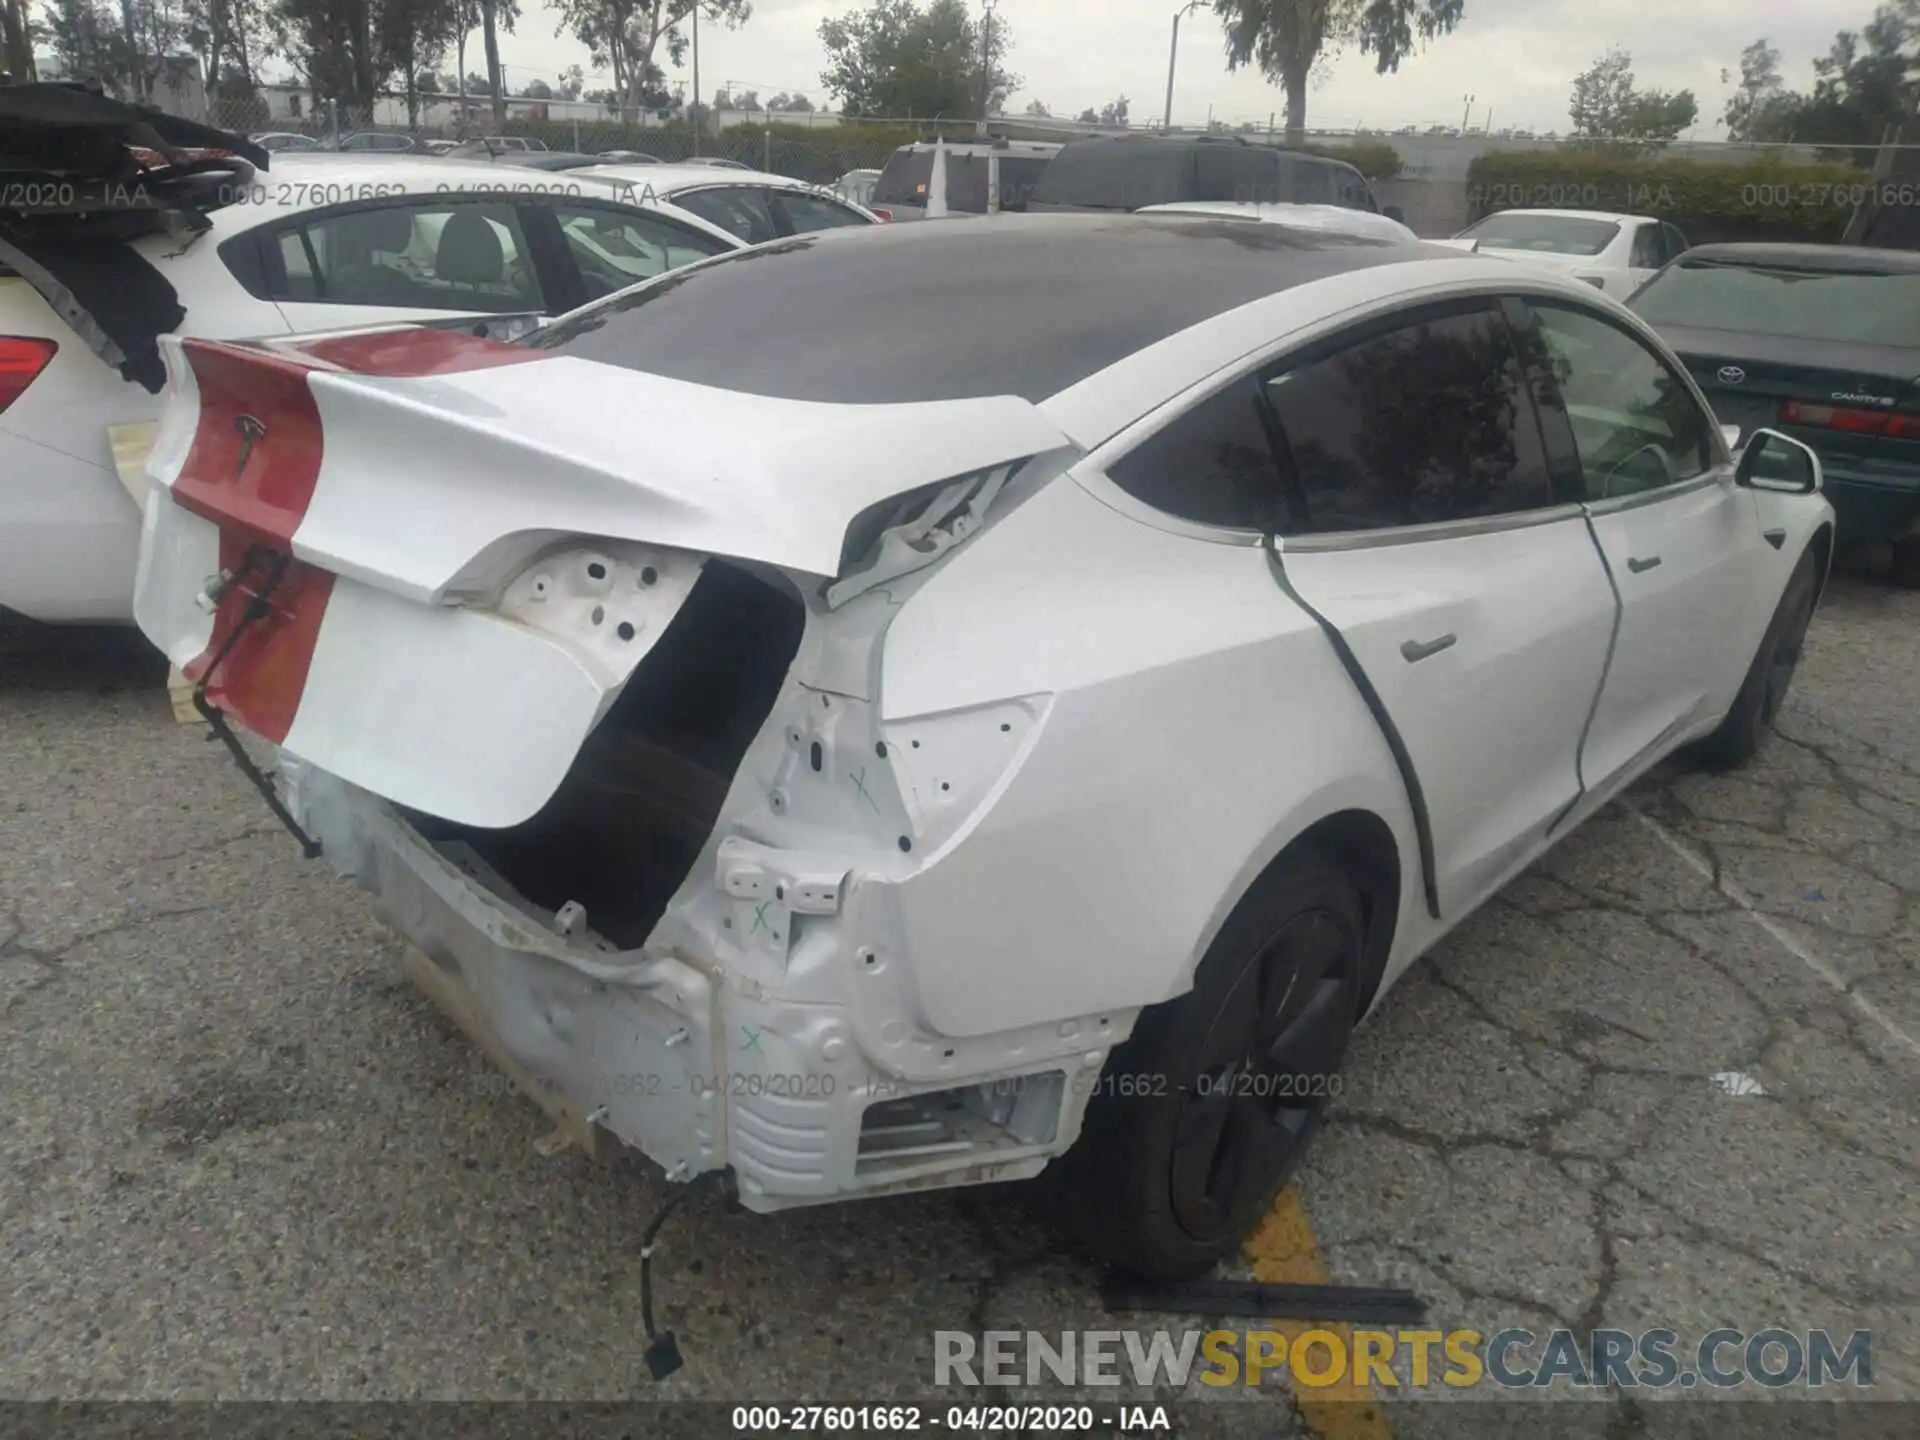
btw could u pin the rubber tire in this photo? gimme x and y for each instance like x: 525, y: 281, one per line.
x: 1111, y: 1192
x: 1903, y: 570
x: 1738, y: 737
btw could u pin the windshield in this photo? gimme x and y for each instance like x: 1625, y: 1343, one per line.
x: 1553, y: 234
x: 1872, y: 309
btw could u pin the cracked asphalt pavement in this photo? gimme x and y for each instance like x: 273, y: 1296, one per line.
x: 239, y: 1157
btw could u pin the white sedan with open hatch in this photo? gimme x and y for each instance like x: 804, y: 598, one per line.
x: 1028, y: 727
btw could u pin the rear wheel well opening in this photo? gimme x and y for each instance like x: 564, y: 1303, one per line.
x: 1359, y: 844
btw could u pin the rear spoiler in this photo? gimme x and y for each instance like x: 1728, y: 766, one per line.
x: 81, y: 174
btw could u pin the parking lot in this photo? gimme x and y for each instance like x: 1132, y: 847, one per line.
x: 1669, y: 1078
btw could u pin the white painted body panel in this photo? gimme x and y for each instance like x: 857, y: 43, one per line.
x: 1048, y: 765
x: 1688, y: 625
x: 1493, y: 720
x: 1611, y: 271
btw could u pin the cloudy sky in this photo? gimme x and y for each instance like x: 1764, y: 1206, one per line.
x: 1516, y: 57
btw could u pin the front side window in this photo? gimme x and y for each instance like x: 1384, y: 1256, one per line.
x: 740, y: 210
x: 439, y: 255
x: 1635, y: 424
x: 613, y: 249
x: 1428, y: 422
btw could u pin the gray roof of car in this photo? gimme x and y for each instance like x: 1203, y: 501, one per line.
x: 1806, y: 257
x: 1021, y: 305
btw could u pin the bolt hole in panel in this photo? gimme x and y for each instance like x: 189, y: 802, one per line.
x: 572, y: 594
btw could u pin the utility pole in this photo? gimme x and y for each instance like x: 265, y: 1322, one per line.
x: 986, y: 63
x: 1467, y: 116
x: 1173, y: 59
x: 699, y: 120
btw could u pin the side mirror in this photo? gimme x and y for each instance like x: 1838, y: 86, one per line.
x: 1772, y: 461
x: 1395, y: 214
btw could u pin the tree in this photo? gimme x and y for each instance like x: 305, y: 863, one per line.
x: 572, y: 81
x: 624, y: 36
x: 1114, y: 112
x: 1088, y: 116
x: 1762, y: 108
x: 783, y: 103
x: 537, y: 90
x: 16, y: 40
x: 897, y: 58
x: 1038, y: 109
x: 227, y: 36
x: 1287, y: 38
x: 1868, y: 81
x: 495, y: 16
x: 1607, y: 106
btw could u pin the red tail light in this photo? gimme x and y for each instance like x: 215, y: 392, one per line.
x: 886, y: 215
x: 1860, y: 422
x: 21, y: 361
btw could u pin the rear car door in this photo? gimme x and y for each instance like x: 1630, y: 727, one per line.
x: 1681, y: 542
x: 1426, y: 529
x: 423, y: 257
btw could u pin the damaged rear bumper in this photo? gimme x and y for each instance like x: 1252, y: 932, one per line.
x: 669, y: 1054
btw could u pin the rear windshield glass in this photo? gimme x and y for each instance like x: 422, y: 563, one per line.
x: 1554, y: 234
x: 908, y: 173
x: 1803, y: 304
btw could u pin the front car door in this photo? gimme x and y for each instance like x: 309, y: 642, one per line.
x: 1681, y: 541
x: 1427, y: 528
x: 604, y: 247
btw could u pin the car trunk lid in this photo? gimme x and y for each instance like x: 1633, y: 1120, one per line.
x: 428, y: 562
x: 1853, y: 403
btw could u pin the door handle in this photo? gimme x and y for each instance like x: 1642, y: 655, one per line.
x: 1415, y: 651
x: 1637, y: 566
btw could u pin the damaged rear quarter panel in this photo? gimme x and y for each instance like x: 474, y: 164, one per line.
x: 1197, y: 722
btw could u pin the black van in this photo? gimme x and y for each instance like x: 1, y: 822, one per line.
x: 902, y: 187
x: 1131, y: 172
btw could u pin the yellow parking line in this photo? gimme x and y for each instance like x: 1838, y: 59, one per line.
x: 1282, y: 1251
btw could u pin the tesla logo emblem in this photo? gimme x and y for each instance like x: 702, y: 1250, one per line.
x: 1732, y: 374
x: 251, y: 432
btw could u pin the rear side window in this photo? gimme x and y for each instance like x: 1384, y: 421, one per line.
x: 1243, y: 176
x: 739, y: 209
x: 435, y: 256
x: 1350, y: 189
x: 1428, y: 422
x: 805, y: 213
x: 1212, y: 465
x: 613, y: 249
x: 1118, y: 175
x: 1647, y: 249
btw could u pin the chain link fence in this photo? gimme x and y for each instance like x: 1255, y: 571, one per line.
x: 817, y: 148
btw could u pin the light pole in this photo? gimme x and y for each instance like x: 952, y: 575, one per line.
x: 986, y: 62
x: 1467, y: 115
x: 699, y: 120
x: 1173, y: 58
